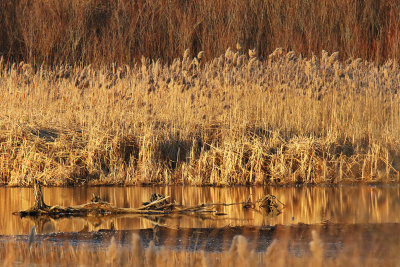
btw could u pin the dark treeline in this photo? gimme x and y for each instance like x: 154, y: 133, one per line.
x: 104, y: 31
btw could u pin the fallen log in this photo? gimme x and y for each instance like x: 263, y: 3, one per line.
x: 158, y: 205
x: 155, y: 202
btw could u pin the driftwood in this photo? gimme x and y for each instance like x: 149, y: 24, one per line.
x: 158, y: 205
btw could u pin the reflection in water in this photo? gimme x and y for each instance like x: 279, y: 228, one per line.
x: 310, y: 205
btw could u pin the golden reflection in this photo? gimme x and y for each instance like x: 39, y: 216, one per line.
x: 310, y: 205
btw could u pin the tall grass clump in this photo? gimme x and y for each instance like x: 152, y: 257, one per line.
x: 101, y: 31
x: 235, y: 119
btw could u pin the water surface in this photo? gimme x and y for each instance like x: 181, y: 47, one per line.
x: 307, y: 205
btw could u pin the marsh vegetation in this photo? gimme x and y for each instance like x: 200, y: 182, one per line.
x: 159, y: 98
x: 122, y: 31
x: 233, y: 120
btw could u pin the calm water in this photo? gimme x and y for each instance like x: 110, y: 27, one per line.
x: 308, y: 205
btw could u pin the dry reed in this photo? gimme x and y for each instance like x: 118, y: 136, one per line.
x: 101, y: 31
x: 233, y: 120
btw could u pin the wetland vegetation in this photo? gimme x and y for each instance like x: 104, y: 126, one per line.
x: 182, y: 108
x: 122, y: 31
x: 234, y: 120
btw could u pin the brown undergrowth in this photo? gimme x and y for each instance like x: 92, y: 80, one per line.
x: 101, y: 31
x: 232, y: 120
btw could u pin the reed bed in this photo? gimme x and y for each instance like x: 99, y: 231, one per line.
x: 101, y: 31
x: 236, y: 119
x: 240, y: 253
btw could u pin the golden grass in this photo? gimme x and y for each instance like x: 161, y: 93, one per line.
x: 240, y: 253
x: 232, y: 120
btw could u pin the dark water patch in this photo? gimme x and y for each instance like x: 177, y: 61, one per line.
x: 336, y: 238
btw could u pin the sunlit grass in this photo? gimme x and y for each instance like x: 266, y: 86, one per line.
x: 233, y: 120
